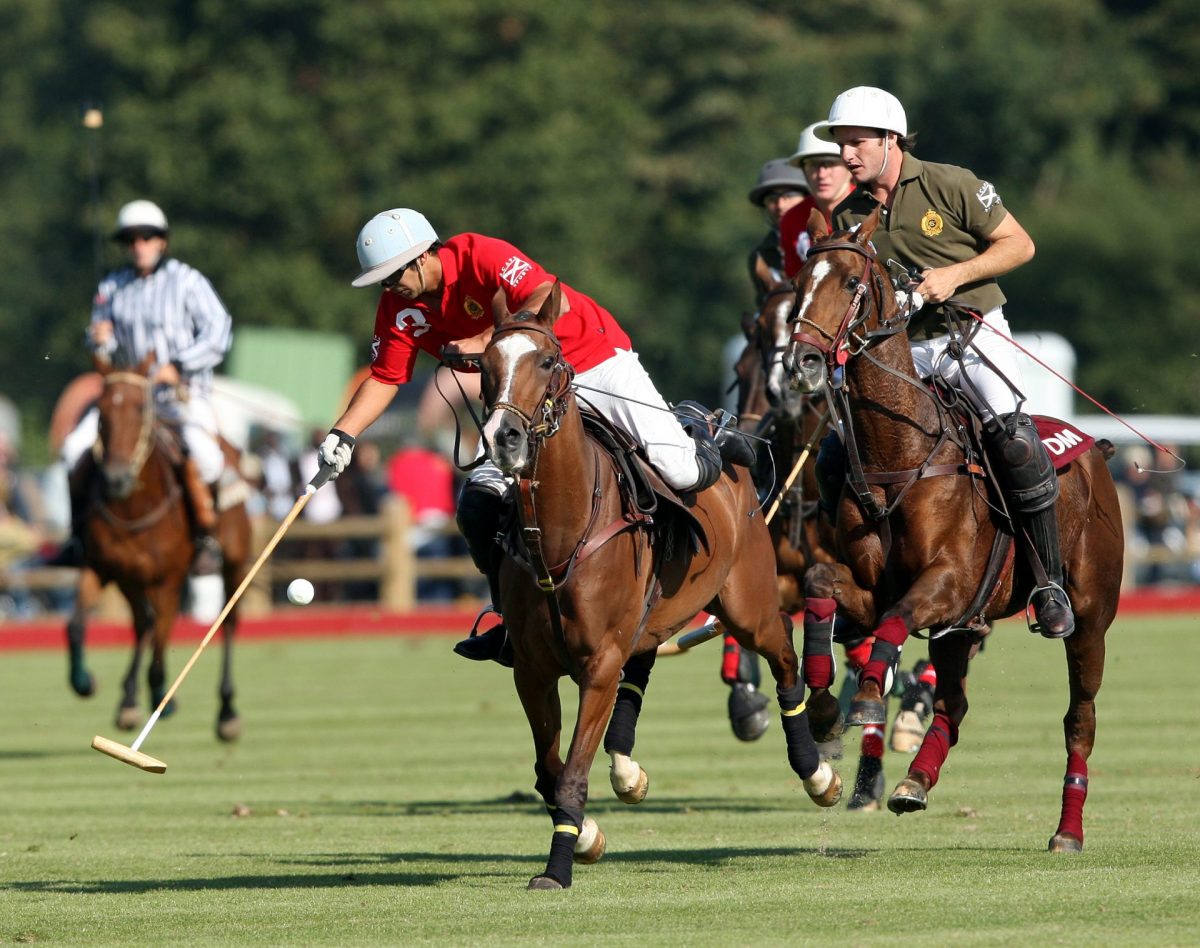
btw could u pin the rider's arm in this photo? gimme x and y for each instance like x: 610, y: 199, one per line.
x: 1008, y: 247
x: 366, y: 405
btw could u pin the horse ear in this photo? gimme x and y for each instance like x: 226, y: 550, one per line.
x: 144, y: 366
x: 867, y: 227
x: 817, y: 228
x: 551, y: 305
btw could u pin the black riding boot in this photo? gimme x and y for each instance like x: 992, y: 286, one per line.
x: 717, y: 442
x: 1028, y: 478
x: 479, y: 514
x: 78, y: 481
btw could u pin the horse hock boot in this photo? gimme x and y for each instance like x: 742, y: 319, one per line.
x: 479, y: 515
x: 1028, y: 478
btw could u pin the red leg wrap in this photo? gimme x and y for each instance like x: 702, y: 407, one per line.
x: 929, y: 676
x: 1074, y: 796
x: 942, y: 735
x: 817, y: 661
x: 892, y: 631
x: 730, y: 660
x: 858, y: 655
x: 872, y: 741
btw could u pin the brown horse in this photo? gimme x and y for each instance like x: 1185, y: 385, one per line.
x: 138, y: 535
x: 615, y: 587
x: 916, y: 522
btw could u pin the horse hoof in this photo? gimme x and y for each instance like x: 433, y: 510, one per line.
x: 825, y: 720
x: 128, y: 719
x: 83, y: 684
x: 908, y: 797
x: 591, y: 845
x: 544, y: 884
x: 636, y: 793
x: 907, y: 733
x: 866, y: 711
x: 230, y: 729
x: 1065, y: 843
x: 830, y: 792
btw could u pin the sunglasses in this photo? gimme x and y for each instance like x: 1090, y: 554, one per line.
x: 131, y: 237
x: 394, y: 280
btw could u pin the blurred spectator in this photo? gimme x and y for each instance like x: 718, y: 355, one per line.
x: 279, y: 487
x: 325, y: 506
x: 361, y: 489
x: 425, y: 479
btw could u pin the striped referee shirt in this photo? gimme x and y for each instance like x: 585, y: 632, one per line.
x: 174, y: 315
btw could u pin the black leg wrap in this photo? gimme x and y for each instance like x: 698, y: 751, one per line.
x: 622, y: 725
x: 802, y: 750
x: 567, y: 826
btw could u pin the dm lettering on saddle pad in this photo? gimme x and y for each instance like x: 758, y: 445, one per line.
x: 1064, y: 442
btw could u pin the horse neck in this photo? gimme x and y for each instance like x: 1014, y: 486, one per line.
x: 564, y: 479
x: 895, y: 423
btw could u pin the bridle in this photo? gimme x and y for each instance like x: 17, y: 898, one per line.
x: 141, y: 448
x: 543, y: 422
x: 837, y: 347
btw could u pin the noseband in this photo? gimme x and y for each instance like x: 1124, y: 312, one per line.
x: 553, y: 400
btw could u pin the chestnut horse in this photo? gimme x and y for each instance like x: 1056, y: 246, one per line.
x: 914, y: 530
x: 138, y: 535
x: 616, y: 587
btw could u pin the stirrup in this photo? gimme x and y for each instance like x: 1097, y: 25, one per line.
x: 1033, y: 621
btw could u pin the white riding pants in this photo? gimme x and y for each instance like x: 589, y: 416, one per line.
x: 992, y: 340
x: 197, y: 423
x: 621, y: 390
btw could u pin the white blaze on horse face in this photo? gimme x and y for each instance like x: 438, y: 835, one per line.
x: 819, y: 272
x: 821, y: 269
x: 777, y: 381
x: 512, y: 347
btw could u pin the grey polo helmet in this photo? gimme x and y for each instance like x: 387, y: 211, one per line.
x: 777, y: 175
x: 390, y: 240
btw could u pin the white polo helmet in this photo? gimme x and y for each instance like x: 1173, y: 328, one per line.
x: 865, y: 106
x: 390, y: 240
x: 810, y: 146
x: 139, y: 215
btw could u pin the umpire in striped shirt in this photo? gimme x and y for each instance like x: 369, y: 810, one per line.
x: 161, y: 308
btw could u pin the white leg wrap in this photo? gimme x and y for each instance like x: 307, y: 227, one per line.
x: 624, y: 773
x: 819, y: 782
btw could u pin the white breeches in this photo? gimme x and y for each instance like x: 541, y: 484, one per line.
x: 992, y: 340
x: 617, y: 388
x: 195, y: 419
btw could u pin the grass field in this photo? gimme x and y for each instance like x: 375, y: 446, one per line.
x: 385, y: 788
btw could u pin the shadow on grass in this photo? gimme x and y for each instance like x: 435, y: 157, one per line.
x: 358, y: 869
x: 521, y: 802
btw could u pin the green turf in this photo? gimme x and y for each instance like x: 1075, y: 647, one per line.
x: 389, y: 793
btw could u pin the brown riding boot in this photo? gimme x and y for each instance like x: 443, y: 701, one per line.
x: 205, y: 518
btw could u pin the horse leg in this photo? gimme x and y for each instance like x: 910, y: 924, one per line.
x: 629, y: 781
x: 597, y: 695
x: 1085, y: 669
x: 229, y: 723
x: 771, y: 637
x: 162, y: 605
x: 87, y: 591
x: 128, y: 717
x: 951, y: 656
x: 826, y: 587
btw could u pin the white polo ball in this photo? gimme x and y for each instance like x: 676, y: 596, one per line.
x: 300, y: 592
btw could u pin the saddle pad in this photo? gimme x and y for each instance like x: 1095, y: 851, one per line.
x: 1063, y: 441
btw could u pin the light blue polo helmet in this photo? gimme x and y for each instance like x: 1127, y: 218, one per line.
x: 389, y: 240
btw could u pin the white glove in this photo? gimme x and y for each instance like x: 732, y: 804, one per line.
x: 334, y: 452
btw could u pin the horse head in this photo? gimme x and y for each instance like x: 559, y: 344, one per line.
x: 525, y: 384
x: 845, y: 303
x: 126, y: 409
x: 772, y: 334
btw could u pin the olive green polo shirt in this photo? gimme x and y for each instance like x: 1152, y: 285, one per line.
x: 940, y: 215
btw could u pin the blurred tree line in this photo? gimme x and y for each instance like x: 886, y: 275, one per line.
x: 614, y: 142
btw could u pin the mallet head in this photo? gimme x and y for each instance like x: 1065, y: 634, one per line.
x: 128, y: 756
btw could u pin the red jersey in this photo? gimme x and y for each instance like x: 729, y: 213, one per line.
x: 793, y: 235
x: 474, y: 267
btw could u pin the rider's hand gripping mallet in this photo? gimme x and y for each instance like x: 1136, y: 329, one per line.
x: 131, y: 755
x: 711, y: 629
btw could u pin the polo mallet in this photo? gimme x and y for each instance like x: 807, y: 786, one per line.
x: 131, y: 755
x: 713, y: 627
